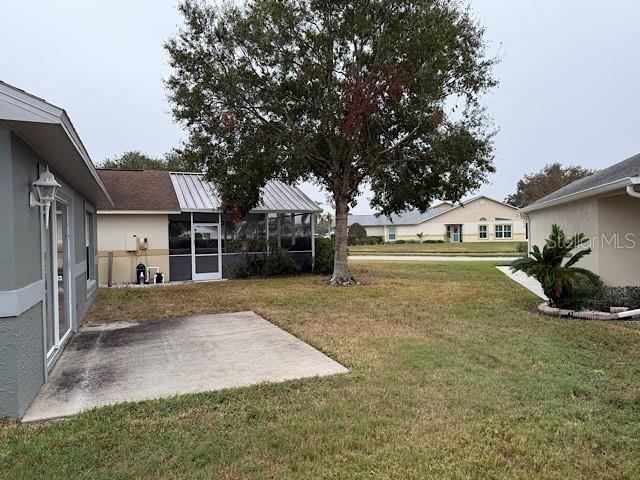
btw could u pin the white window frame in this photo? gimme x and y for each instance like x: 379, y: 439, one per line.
x: 501, y: 230
x: 480, y: 231
x: 389, y: 233
x: 90, y: 236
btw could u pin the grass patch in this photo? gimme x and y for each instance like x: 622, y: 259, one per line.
x: 452, y: 376
x: 474, y: 249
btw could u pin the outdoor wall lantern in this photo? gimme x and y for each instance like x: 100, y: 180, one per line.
x: 45, y: 193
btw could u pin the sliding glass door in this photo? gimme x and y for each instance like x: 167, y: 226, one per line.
x: 57, y: 280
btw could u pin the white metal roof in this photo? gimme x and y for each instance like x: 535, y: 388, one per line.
x: 195, y: 194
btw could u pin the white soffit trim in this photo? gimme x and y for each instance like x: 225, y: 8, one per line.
x: 589, y: 192
x: 16, y: 302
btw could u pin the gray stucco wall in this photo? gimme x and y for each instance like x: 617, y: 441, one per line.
x: 26, y: 221
x: 21, y: 368
x: 7, y: 244
x: 22, y: 356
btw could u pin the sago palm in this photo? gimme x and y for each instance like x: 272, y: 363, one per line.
x: 563, y: 283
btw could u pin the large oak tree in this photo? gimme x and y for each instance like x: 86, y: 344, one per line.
x: 339, y: 93
x: 552, y: 177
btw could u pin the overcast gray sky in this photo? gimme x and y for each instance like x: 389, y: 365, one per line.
x: 568, y: 77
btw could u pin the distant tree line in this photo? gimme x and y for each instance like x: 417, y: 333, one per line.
x: 136, y: 160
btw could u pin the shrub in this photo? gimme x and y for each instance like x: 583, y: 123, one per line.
x: 324, y: 256
x: 606, y: 297
x: 277, y: 262
x: 373, y: 240
x: 522, y: 248
x: 433, y: 241
x: 565, y: 285
x: 355, y: 233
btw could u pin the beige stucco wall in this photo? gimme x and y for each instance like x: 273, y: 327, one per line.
x: 573, y: 217
x: 619, y: 240
x: 469, y: 216
x: 113, y: 229
x: 375, y: 231
x: 613, y: 226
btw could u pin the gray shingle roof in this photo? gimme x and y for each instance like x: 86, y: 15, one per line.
x: 144, y: 190
x: 412, y: 217
x: 624, y: 169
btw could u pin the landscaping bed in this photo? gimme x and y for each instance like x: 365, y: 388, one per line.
x: 586, y: 314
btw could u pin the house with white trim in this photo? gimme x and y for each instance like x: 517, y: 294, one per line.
x: 480, y: 219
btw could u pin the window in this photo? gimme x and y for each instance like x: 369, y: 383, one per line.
x: 245, y: 235
x: 391, y: 234
x: 503, y: 231
x: 90, y: 247
x: 180, y: 234
x: 482, y: 231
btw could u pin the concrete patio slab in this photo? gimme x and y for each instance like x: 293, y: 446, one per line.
x: 115, y: 363
x: 526, y: 281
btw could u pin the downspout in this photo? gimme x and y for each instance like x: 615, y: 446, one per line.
x: 631, y: 191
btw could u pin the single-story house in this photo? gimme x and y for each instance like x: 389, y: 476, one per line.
x: 173, y: 223
x: 604, y: 206
x: 49, y: 190
x: 480, y: 219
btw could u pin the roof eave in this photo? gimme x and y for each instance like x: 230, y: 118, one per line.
x: 39, y: 110
x: 589, y: 192
x: 139, y: 212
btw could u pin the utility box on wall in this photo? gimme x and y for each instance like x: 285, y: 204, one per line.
x: 131, y: 243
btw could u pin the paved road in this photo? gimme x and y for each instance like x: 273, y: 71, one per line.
x: 430, y: 258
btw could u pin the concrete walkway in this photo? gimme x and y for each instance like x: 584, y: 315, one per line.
x: 159, y: 358
x: 526, y: 281
x: 430, y: 258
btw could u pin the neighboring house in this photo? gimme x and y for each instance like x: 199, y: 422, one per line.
x: 480, y: 219
x: 172, y: 223
x: 48, y: 265
x: 604, y: 206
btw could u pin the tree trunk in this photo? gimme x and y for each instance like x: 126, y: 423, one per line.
x: 341, y: 275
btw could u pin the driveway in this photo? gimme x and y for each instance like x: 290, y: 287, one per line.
x: 159, y: 358
x: 431, y: 258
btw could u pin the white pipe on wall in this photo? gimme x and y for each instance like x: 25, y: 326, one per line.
x: 632, y: 192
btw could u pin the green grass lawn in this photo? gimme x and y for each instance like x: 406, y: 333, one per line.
x: 452, y: 375
x: 475, y: 249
